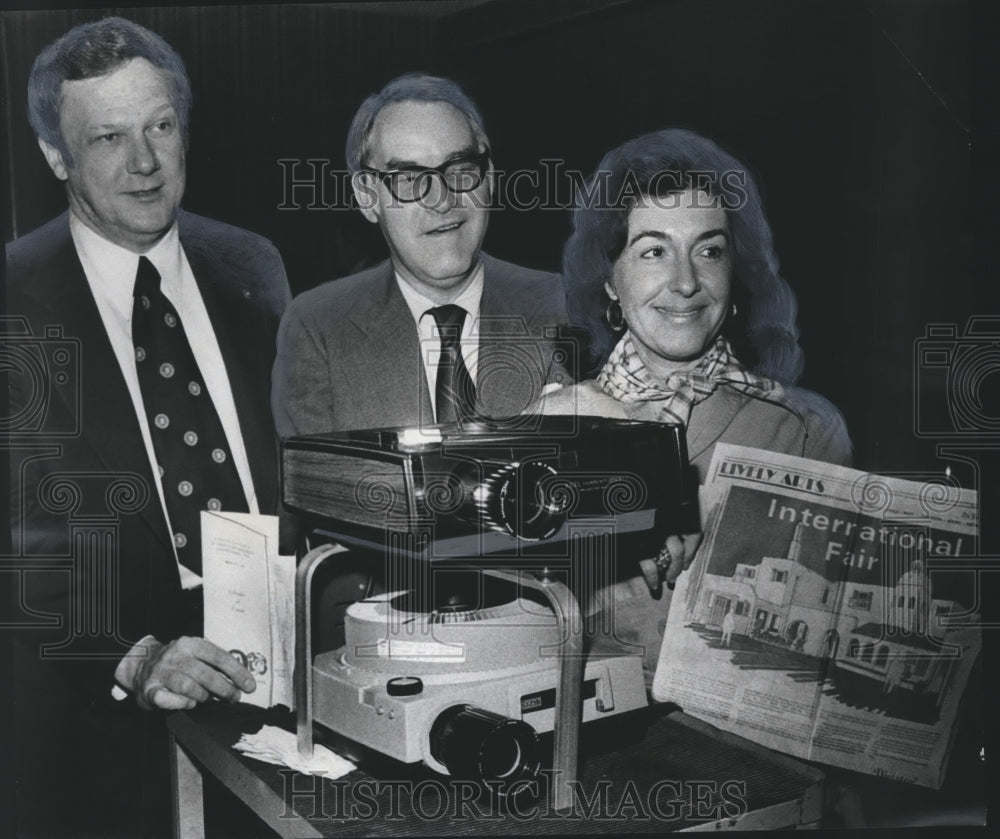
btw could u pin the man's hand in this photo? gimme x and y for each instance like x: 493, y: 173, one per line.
x: 184, y: 672
x: 682, y: 550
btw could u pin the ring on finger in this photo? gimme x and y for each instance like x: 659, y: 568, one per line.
x: 663, y: 560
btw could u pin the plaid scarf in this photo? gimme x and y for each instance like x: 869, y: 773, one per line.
x: 626, y: 378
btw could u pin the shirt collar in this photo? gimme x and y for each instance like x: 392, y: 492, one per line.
x: 166, y: 256
x: 116, y: 266
x: 470, y: 298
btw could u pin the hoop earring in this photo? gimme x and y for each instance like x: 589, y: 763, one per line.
x: 733, y: 310
x: 615, y: 316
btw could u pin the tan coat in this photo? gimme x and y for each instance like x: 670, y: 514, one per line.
x: 790, y: 420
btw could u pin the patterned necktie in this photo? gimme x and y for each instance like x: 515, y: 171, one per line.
x: 196, y: 467
x: 455, y: 393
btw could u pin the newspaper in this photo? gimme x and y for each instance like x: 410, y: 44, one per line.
x: 827, y: 615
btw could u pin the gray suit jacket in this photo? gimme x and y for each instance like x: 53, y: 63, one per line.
x: 791, y: 420
x: 349, y: 352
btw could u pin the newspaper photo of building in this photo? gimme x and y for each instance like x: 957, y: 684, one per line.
x: 819, y: 622
x: 893, y: 638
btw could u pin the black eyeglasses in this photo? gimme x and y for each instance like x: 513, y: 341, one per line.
x: 461, y: 175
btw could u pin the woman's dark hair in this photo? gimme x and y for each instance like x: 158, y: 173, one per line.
x: 763, y: 333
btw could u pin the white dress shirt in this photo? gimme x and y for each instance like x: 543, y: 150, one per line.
x: 111, y: 271
x: 427, y: 332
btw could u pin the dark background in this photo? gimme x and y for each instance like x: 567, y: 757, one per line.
x: 856, y: 116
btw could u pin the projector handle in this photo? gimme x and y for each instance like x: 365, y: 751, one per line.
x: 569, y: 710
x: 303, y: 678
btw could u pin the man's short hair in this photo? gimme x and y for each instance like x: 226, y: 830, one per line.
x: 97, y: 49
x: 410, y: 87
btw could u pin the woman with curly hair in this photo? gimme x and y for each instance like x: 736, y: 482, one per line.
x: 672, y: 280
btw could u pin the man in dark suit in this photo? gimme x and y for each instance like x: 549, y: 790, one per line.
x: 366, y: 351
x: 108, y: 591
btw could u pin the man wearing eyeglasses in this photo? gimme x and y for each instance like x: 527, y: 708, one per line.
x: 440, y: 332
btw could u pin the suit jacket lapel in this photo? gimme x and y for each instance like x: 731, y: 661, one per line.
x: 512, y: 359
x: 714, y: 416
x: 107, y: 419
x: 388, y: 349
x: 495, y: 306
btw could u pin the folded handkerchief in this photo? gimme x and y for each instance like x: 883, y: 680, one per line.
x: 275, y: 745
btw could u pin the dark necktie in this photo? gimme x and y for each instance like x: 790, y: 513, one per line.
x: 455, y: 393
x: 196, y: 465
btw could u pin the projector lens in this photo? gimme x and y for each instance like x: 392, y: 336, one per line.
x: 528, y: 500
x: 479, y: 745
